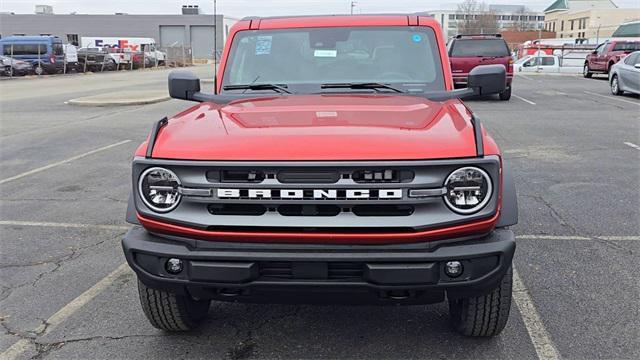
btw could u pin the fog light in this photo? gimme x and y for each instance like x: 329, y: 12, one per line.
x: 173, y: 266
x: 453, y: 268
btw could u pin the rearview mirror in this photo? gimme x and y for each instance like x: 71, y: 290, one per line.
x: 183, y: 85
x: 488, y: 79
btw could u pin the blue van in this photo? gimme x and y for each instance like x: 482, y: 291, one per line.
x: 45, y: 53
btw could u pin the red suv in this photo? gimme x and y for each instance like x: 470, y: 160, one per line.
x: 607, y: 54
x: 334, y: 162
x: 469, y: 51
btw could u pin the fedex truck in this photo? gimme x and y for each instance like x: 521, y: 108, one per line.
x: 133, y: 44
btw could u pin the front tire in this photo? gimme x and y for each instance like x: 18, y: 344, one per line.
x: 485, y: 315
x: 586, y: 72
x: 171, y: 312
x: 38, y: 69
x: 615, y: 86
x: 505, y: 95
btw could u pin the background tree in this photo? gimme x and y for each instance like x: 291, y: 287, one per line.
x: 522, y: 24
x: 474, y: 17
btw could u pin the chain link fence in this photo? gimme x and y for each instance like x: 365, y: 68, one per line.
x: 178, y: 56
x: 37, y: 60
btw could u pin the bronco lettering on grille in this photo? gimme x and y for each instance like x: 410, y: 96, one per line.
x: 300, y: 194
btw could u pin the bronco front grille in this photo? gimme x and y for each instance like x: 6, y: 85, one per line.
x: 316, y: 196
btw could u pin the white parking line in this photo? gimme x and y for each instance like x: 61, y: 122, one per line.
x: 575, y: 237
x: 632, y: 145
x: 64, y: 225
x: 525, y: 77
x: 66, y: 311
x: 523, y: 99
x: 539, y: 335
x: 34, y: 171
x: 612, y: 98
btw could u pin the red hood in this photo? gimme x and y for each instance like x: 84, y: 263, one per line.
x: 319, y: 127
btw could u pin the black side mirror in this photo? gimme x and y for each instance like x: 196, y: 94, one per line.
x: 488, y: 79
x: 183, y: 85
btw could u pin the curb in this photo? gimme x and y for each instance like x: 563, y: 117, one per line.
x: 119, y: 99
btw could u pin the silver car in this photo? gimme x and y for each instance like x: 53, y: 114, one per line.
x: 625, y: 75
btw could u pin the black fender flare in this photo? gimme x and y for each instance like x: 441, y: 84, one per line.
x: 131, y: 218
x: 509, y: 210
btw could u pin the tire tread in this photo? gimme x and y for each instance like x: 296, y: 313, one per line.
x: 171, y: 312
x: 484, y: 315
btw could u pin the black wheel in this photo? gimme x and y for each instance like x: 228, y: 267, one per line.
x: 38, y: 69
x: 615, y: 86
x: 506, y: 95
x: 110, y: 65
x: 484, y: 315
x: 586, y: 72
x: 171, y: 312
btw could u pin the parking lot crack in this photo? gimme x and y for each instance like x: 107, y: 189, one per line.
x: 17, y: 333
x: 45, y: 348
x: 246, y: 346
x: 554, y: 213
x: 75, y: 253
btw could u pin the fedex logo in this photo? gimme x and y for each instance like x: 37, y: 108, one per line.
x: 122, y: 44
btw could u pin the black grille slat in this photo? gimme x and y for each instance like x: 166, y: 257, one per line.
x: 383, y: 210
x: 336, y: 271
x: 308, y: 177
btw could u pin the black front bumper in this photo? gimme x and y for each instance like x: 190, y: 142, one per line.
x: 407, y: 273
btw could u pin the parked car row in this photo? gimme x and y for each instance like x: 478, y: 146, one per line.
x: 606, y: 55
x: 22, y: 55
x: 620, y: 60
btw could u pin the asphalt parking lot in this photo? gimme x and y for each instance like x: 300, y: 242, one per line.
x: 64, y: 184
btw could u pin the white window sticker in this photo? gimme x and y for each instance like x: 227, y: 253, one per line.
x: 263, y: 45
x: 325, y: 53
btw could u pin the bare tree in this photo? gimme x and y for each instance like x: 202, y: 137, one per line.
x: 522, y: 23
x: 474, y: 17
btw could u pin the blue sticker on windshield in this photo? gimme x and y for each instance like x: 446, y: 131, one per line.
x: 263, y: 45
x: 416, y: 38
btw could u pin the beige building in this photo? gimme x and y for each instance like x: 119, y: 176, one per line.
x: 586, y: 19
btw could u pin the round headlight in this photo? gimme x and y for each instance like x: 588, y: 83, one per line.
x: 158, y: 189
x: 468, y: 190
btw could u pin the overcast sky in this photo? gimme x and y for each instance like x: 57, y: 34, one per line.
x: 240, y: 8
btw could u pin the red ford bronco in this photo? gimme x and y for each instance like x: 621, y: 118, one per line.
x: 333, y: 162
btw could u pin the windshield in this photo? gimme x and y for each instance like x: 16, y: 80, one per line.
x: 304, y: 59
x: 479, y: 47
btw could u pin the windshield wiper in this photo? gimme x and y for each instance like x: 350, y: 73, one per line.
x: 274, y: 87
x: 368, y: 85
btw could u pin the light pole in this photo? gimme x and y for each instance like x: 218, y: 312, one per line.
x: 353, y: 4
x: 215, y: 48
x: 598, y: 31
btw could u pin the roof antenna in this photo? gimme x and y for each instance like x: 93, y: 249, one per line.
x: 215, y: 49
